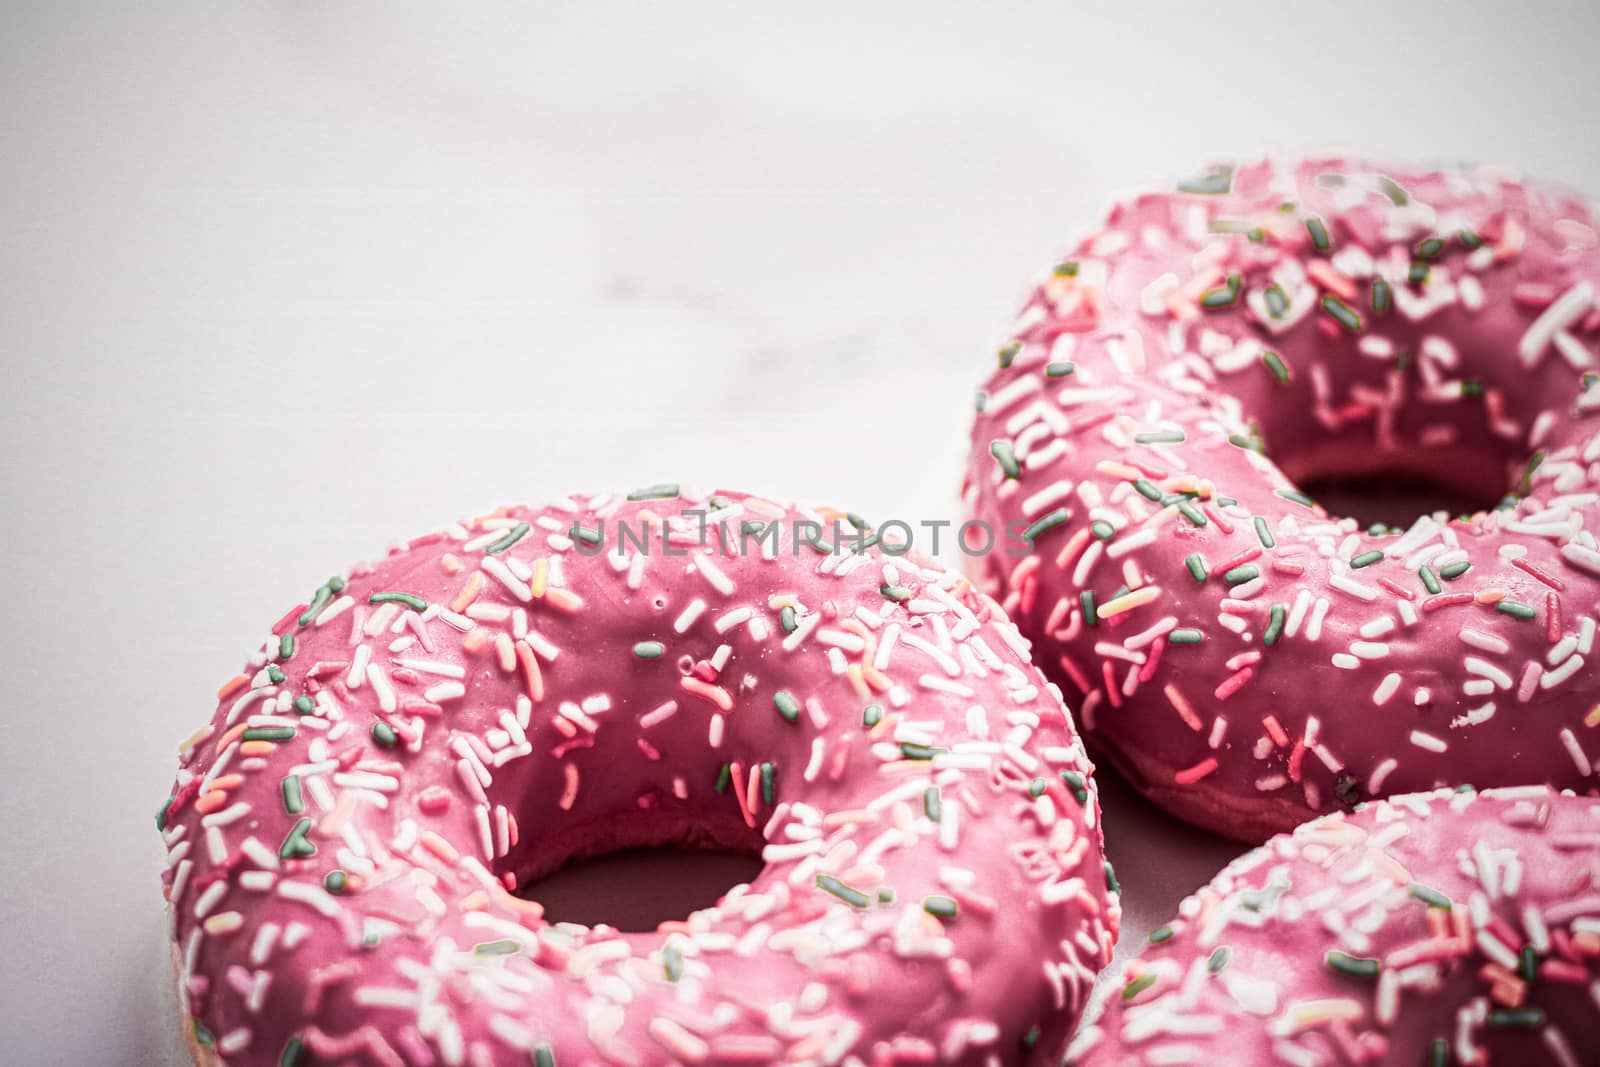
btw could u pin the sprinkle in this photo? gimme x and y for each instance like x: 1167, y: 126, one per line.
x: 1319, y: 234
x: 1512, y: 608
x: 1184, y: 636
x: 415, y: 603
x: 1274, y: 625
x: 1342, y: 313
x: 787, y: 705
x: 649, y: 649
x: 1431, y: 897
x: 1263, y: 534
x: 944, y: 907
x: 1354, y: 966
x: 1366, y: 559
x: 662, y: 491
x: 1196, y: 565
x: 1138, y: 985
x: 1006, y: 457
x: 512, y: 536
x: 850, y: 895
x: 1045, y: 522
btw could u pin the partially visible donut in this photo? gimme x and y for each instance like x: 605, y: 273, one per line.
x: 1245, y: 658
x: 431, y: 731
x: 1446, y: 928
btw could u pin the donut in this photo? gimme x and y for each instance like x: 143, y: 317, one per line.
x: 1442, y: 928
x: 426, y: 735
x: 1140, y: 455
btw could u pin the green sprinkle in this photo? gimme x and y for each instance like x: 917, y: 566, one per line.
x: 850, y: 895
x: 1391, y: 188
x: 787, y: 620
x: 913, y: 750
x: 1319, y: 233
x: 649, y: 649
x: 1244, y: 572
x: 1342, y: 313
x: 544, y: 1055
x: 872, y: 715
x: 786, y: 704
x: 1295, y: 496
x: 1277, y: 301
x: 336, y: 882
x: 384, y: 734
x: 1190, y: 512
x: 1516, y: 610
x: 1111, y: 879
x: 1274, y: 625
x: 1090, y: 615
x: 1160, y: 934
x: 304, y: 705
x: 201, y: 1034
x: 1275, y: 364
x: 1219, y: 959
x: 1518, y: 1018
x: 980, y: 401
x: 1066, y: 269
x: 769, y: 781
x: 932, y: 803
x: 1263, y: 534
x: 161, y: 813
x: 275, y: 676
x: 1470, y: 239
x: 1354, y: 966
x: 1471, y: 387
x: 1138, y: 985
x: 944, y: 907
x: 1045, y: 522
x: 885, y: 895
x: 1417, y: 273
x: 1074, y: 782
x: 1059, y: 370
x: 268, y: 733
x: 1196, y: 565
x: 1008, y: 354
x: 660, y: 491
x: 1429, y: 896
x: 293, y: 802
x: 1031, y: 1038
x: 1528, y: 963
x: 1224, y: 295
x: 1454, y: 570
x: 1429, y: 248
x: 1366, y: 559
x: 322, y: 598
x: 724, y: 777
x: 586, y: 534
x: 1145, y: 489
x: 1185, y: 636
x: 415, y: 603
x: 1430, y: 581
x: 512, y: 536
x: 1439, y: 1053
x: 293, y: 1049
x: 896, y: 593
x: 1102, y: 529
x: 1217, y: 183
x: 1382, y: 296
x: 295, y: 845
x: 1160, y: 437
x: 1526, y: 482
x: 1036, y: 787
x: 672, y: 963
x: 286, y: 646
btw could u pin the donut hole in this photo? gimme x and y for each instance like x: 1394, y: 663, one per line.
x: 1385, y: 489
x: 636, y: 873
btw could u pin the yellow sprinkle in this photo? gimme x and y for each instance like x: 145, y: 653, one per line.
x: 1593, y: 718
x: 541, y: 577
x: 1119, y: 471
x: 1129, y: 601
x: 1309, y: 1013
x: 225, y: 923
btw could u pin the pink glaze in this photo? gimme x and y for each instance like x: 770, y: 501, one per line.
x: 1443, y: 928
x: 934, y: 889
x: 1251, y: 660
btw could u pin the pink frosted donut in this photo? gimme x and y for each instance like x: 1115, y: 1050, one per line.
x: 1446, y: 928
x: 1245, y: 658
x: 434, y: 730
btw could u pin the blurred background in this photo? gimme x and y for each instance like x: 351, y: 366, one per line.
x: 281, y: 282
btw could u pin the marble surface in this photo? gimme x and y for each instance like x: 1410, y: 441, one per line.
x: 279, y: 282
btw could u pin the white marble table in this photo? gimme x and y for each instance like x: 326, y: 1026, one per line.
x: 281, y: 281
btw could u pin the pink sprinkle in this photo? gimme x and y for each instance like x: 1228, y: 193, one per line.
x: 1190, y: 775
x: 1233, y: 683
